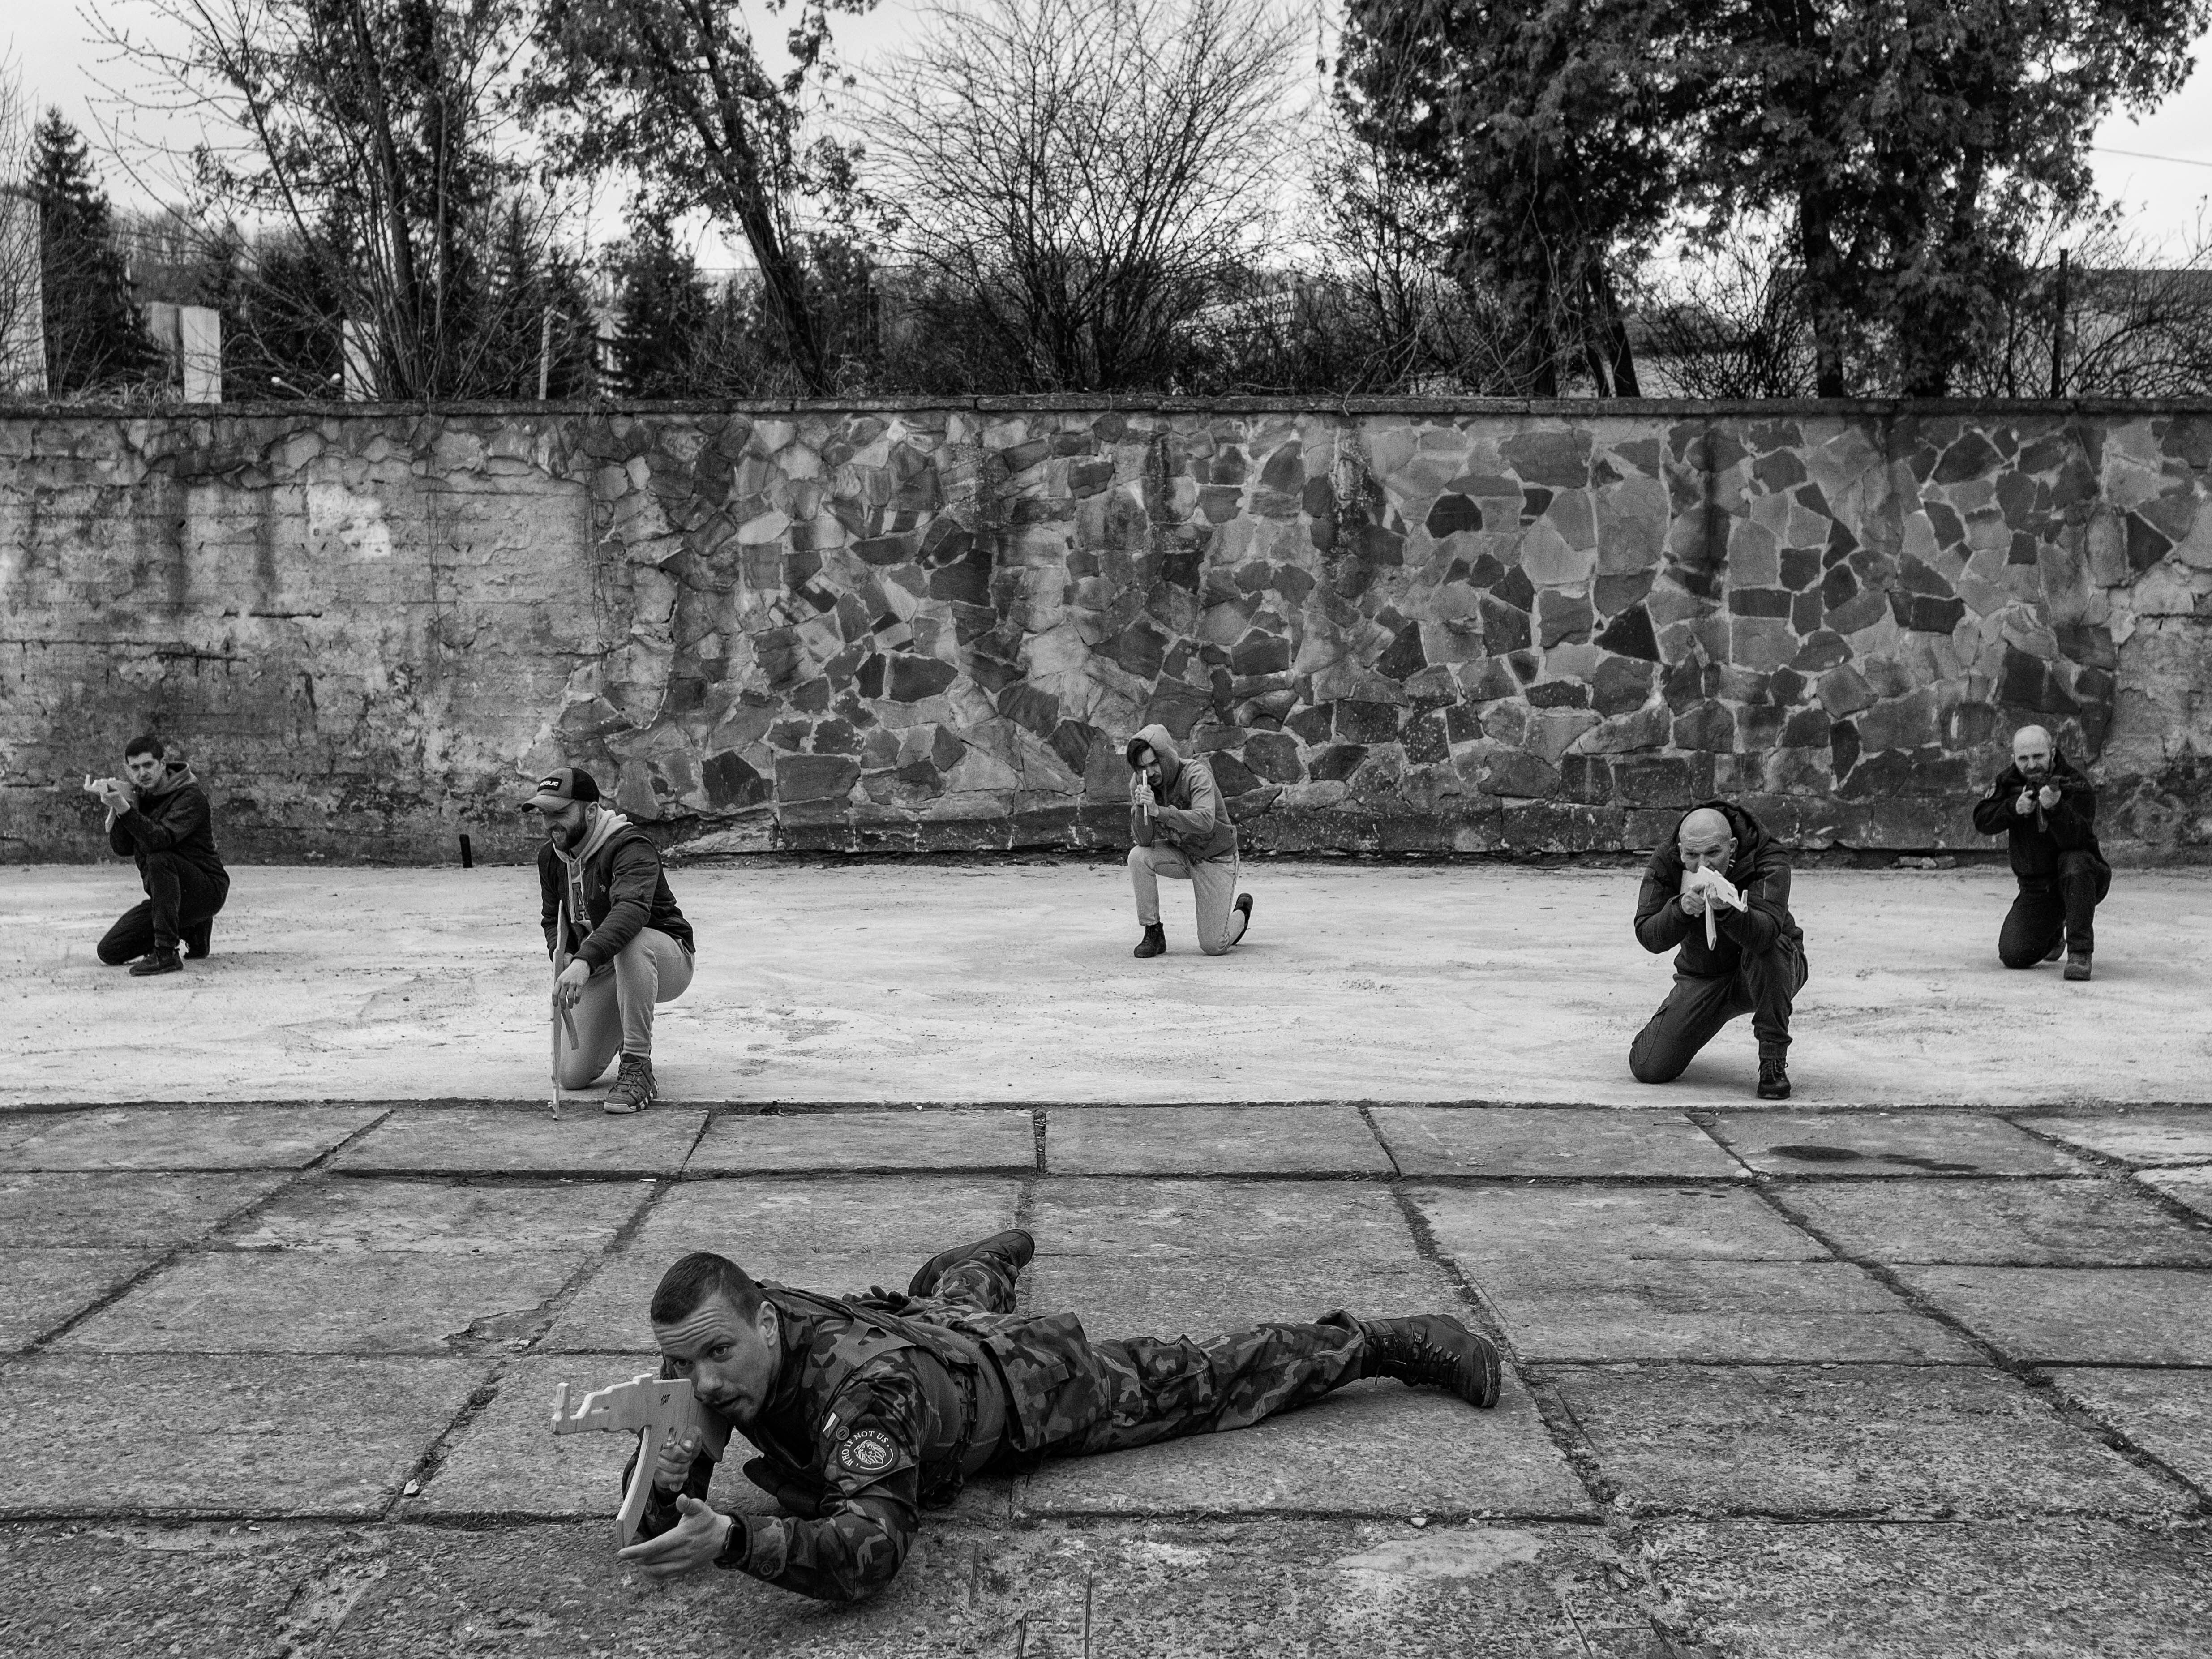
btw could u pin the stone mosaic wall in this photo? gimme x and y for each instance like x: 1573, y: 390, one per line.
x: 1393, y: 629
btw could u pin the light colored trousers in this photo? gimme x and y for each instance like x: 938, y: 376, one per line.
x: 1214, y: 882
x: 615, y: 1010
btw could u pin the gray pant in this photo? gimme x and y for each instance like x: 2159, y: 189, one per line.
x: 615, y: 1010
x: 1213, y: 881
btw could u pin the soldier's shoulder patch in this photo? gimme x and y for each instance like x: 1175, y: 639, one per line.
x: 868, y: 1452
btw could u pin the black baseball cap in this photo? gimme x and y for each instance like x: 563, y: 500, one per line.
x: 557, y: 789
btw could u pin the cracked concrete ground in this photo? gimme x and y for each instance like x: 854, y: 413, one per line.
x: 1940, y: 1386
x: 1850, y: 1377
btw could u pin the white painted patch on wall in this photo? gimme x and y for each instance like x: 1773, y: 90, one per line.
x: 345, y: 524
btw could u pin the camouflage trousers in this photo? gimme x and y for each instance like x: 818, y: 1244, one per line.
x: 1085, y: 1396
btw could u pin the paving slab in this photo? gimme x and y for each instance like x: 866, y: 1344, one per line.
x: 1723, y: 1311
x: 2042, y: 1589
x: 161, y: 1138
x: 1888, y: 1143
x: 2192, y: 1188
x: 2167, y: 1413
x: 45, y: 1287
x: 1370, y: 1448
x: 1318, y: 1588
x: 1479, y: 1225
x: 443, y: 1217
x: 149, y: 1211
x: 1212, y: 1141
x: 509, y: 1140
x: 2088, y: 1222
x: 743, y: 1143
x: 1867, y: 1440
x: 1201, y: 1300
x: 133, y: 1589
x: 832, y: 1235
x: 324, y: 1302
x: 507, y: 1462
x: 96, y: 1434
x: 1007, y: 982
x: 2091, y: 1316
x: 1509, y: 1141
x: 1165, y: 1221
x: 2145, y: 1137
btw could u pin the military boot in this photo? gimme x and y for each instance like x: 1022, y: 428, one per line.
x: 1154, y: 943
x: 1432, y: 1351
x: 1013, y: 1247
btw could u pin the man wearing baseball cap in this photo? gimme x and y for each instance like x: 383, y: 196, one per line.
x: 618, y: 943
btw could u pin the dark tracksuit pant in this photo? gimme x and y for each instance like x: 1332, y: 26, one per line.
x: 181, y: 902
x: 1765, y: 987
x: 1147, y: 1389
x: 2049, y: 906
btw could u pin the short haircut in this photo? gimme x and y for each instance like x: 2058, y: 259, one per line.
x: 1138, y: 746
x: 695, y: 1278
x: 146, y: 743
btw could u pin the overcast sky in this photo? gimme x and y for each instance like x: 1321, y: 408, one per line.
x: 2159, y: 169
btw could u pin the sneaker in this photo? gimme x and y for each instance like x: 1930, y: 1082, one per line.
x: 199, y: 937
x: 1244, y: 903
x: 2077, y: 964
x: 635, y: 1089
x: 1432, y: 1351
x: 159, y: 961
x: 1774, y: 1079
x: 1154, y: 943
x: 1014, y: 1247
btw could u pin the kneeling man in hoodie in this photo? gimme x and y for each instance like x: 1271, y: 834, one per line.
x: 618, y: 943
x: 1755, y: 964
x: 2047, y: 811
x: 161, y: 818
x: 1180, y: 828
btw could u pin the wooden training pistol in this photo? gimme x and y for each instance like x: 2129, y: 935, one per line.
x: 1718, y: 890
x: 653, y: 1408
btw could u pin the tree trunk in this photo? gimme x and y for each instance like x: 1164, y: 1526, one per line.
x: 1823, y: 297
x: 1612, y: 361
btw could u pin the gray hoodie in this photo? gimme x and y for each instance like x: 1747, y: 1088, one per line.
x: 1191, y: 816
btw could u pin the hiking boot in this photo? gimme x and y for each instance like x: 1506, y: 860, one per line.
x: 635, y: 1089
x: 1244, y: 903
x: 2077, y: 965
x: 1774, y: 1079
x: 160, y: 960
x: 1013, y: 1247
x: 199, y: 937
x: 1154, y: 943
x: 1432, y: 1351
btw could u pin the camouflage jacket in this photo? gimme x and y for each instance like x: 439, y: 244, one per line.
x: 875, y: 1416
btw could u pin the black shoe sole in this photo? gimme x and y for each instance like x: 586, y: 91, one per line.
x: 1491, y: 1375
x: 1012, y: 1245
x: 141, y: 970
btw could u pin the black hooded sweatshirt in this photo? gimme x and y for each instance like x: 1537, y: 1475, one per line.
x: 1759, y: 871
x: 2038, y: 837
x: 174, y: 817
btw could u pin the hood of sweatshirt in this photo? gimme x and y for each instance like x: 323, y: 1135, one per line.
x: 602, y: 831
x: 1155, y: 738
x: 173, y: 777
x: 1751, y: 837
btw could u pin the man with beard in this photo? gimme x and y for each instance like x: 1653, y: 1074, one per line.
x: 1747, y: 957
x: 2048, y: 812
x: 618, y: 943
x: 1179, y: 827
x: 867, y: 1409
x: 161, y: 818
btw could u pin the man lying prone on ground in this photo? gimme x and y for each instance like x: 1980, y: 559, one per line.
x: 868, y: 1409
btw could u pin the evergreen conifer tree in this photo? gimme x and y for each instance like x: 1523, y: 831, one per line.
x: 96, y: 339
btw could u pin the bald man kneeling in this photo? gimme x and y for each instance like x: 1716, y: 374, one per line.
x: 1755, y: 964
x: 2048, y: 812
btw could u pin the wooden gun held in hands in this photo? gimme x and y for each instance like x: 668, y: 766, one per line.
x: 1717, y: 889
x: 655, y: 1409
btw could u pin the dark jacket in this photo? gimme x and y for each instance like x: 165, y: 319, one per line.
x: 2039, y: 836
x: 1191, y: 816
x: 624, y: 892
x: 875, y: 1417
x: 174, y: 818
x: 1759, y: 871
